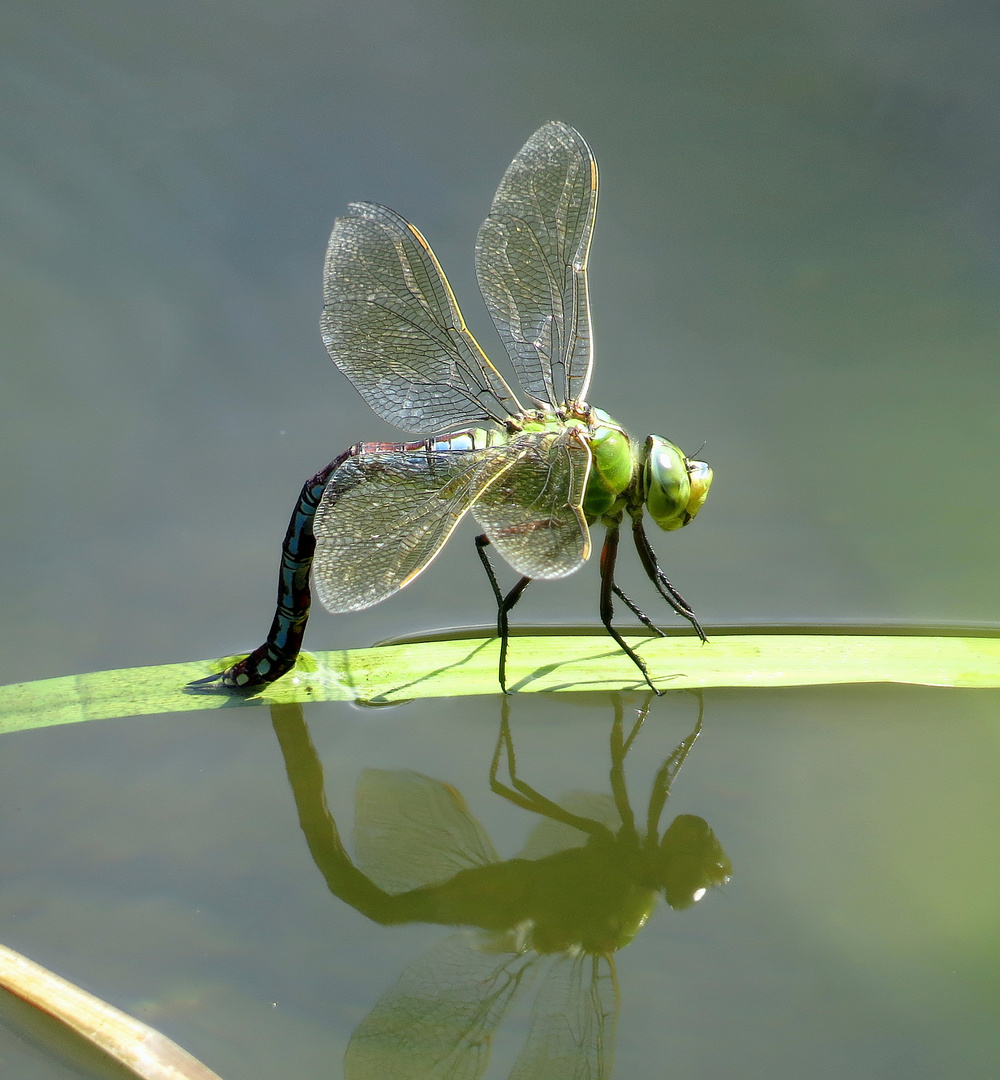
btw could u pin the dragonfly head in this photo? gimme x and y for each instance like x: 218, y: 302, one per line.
x: 691, y: 861
x: 674, y: 487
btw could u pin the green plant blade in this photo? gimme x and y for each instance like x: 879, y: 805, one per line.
x: 449, y: 668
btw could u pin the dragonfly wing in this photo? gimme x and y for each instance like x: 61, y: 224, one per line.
x: 392, y: 325
x: 531, y: 260
x: 551, y: 835
x: 438, y: 1021
x: 411, y: 830
x: 387, y: 511
x: 573, y: 1022
x: 533, y: 512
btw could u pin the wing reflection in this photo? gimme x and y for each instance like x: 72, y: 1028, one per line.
x: 584, y: 885
x: 439, y: 1018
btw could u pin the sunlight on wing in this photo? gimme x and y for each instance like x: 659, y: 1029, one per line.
x: 531, y: 260
x: 386, y: 513
x: 392, y: 325
x: 533, y: 513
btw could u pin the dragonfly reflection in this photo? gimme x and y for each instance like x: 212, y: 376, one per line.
x: 584, y: 885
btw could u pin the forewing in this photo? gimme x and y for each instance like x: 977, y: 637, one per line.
x: 533, y: 513
x: 387, y: 511
x: 531, y: 260
x: 411, y: 830
x: 392, y: 325
x: 573, y: 1022
x: 438, y: 1021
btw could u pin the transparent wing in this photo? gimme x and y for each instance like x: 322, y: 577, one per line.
x: 573, y: 1022
x: 392, y: 325
x: 550, y: 835
x: 533, y: 513
x: 437, y: 1022
x: 387, y: 511
x: 531, y: 260
x: 411, y: 830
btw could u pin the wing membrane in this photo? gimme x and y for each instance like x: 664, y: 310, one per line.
x: 411, y: 830
x: 387, y: 511
x: 438, y: 1021
x: 533, y: 512
x: 392, y: 325
x: 573, y: 1022
x: 531, y: 260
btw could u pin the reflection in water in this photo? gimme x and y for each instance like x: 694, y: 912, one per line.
x: 582, y: 888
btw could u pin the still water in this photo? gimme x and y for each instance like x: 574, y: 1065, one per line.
x: 263, y: 905
x: 794, y: 263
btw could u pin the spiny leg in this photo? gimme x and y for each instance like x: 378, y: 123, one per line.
x: 640, y: 615
x: 504, y: 604
x: 649, y: 563
x: 609, y: 553
x: 284, y: 640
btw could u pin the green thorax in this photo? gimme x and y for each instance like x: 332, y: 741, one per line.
x: 656, y: 478
x: 613, y: 466
x: 613, y: 461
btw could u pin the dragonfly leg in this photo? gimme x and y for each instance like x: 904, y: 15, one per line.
x: 660, y: 791
x: 649, y: 563
x: 524, y: 795
x: 609, y: 554
x: 504, y: 604
x: 640, y: 615
x: 284, y: 640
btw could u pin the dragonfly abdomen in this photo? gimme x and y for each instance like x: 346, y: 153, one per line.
x: 462, y: 441
x: 284, y: 640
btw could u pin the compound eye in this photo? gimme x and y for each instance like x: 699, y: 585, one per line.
x: 701, y: 476
x: 675, y: 488
x: 666, y: 485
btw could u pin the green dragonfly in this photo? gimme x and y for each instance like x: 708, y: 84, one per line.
x: 535, y: 476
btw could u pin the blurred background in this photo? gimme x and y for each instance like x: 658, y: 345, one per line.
x: 795, y: 265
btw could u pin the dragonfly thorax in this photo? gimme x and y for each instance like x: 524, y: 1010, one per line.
x: 658, y: 478
x: 613, y: 463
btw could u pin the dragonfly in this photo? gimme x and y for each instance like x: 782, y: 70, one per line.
x: 535, y: 472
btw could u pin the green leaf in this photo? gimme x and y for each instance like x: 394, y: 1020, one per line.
x: 449, y: 668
